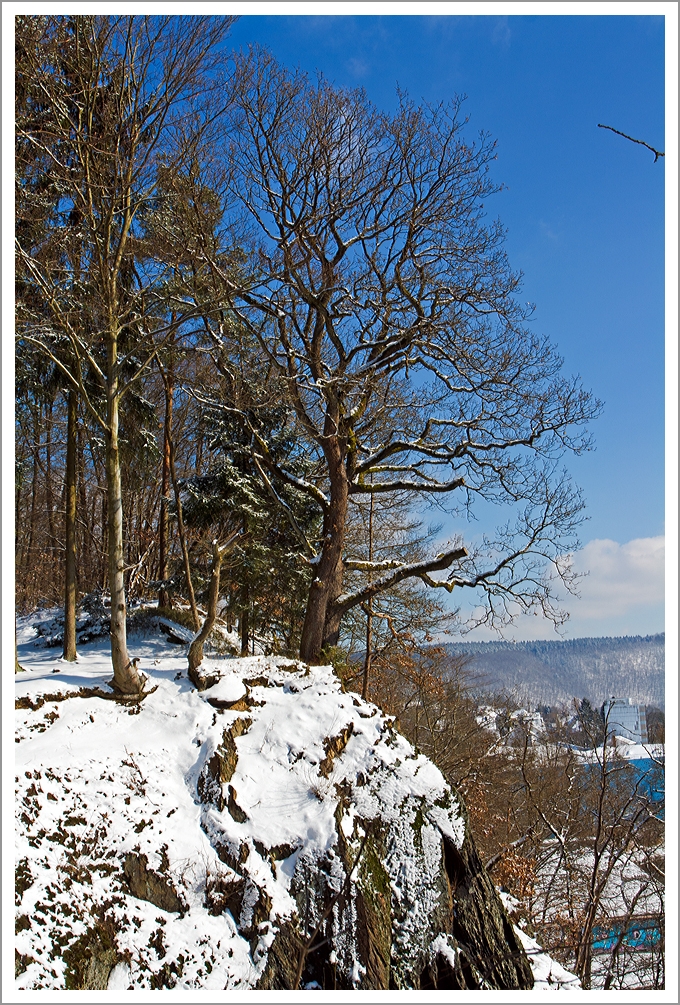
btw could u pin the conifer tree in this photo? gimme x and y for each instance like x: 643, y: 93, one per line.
x: 269, y: 570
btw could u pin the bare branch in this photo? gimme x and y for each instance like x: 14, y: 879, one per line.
x: 419, y: 570
x: 657, y: 153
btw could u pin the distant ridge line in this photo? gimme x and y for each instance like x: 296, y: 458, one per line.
x: 498, y: 644
x: 547, y: 671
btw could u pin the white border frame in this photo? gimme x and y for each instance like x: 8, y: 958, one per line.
x: 669, y: 10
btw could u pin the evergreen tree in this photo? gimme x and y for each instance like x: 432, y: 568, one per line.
x: 591, y: 722
x: 269, y: 571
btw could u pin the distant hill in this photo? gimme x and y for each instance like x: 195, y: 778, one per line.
x: 552, y: 672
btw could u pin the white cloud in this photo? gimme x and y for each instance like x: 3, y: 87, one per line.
x: 547, y: 230
x: 501, y: 33
x: 621, y: 577
x: 358, y: 67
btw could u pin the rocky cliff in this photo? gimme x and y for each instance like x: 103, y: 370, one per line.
x: 271, y: 832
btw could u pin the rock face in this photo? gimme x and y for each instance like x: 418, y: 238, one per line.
x: 395, y: 896
x: 475, y: 946
x: 271, y: 832
x: 145, y: 884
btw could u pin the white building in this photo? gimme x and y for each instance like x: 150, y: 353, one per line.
x: 625, y: 718
x: 487, y: 717
x: 531, y: 722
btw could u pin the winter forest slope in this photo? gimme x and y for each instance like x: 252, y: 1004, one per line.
x: 546, y: 672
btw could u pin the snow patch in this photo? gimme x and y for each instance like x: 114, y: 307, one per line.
x: 549, y: 975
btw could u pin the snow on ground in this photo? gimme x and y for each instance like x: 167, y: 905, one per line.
x: 627, y: 749
x: 636, y: 751
x: 103, y: 788
x: 549, y: 975
x: 94, y: 774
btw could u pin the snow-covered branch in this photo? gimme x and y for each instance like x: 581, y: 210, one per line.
x: 413, y: 570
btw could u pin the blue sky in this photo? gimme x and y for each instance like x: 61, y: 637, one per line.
x: 584, y: 210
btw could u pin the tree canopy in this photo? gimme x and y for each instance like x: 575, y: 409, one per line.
x: 383, y: 299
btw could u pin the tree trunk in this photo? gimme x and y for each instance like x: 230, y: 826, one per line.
x: 104, y: 521
x: 28, y: 560
x: 183, y: 541
x: 49, y: 498
x: 368, y: 655
x: 244, y: 620
x: 18, y: 499
x: 369, y: 606
x: 196, y: 647
x: 17, y: 665
x: 163, y: 598
x: 70, y: 595
x: 585, y: 960
x: 203, y: 681
x: 199, y: 452
x: 332, y: 619
x: 320, y: 631
x: 126, y: 678
x: 88, y: 572
x: 49, y: 501
x: 167, y: 381
x: 584, y: 957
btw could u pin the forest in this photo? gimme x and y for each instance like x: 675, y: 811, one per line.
x: 268, y: 345
x: 256, y: 310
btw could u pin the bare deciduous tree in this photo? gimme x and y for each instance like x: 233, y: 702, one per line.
x: 386, y: 303
x: 594, y: 824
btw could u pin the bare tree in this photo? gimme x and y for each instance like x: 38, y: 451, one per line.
x: 407, y: 617
x: 433, y: 697
x: 386, y: 303
x: 195, y: 655
x: 127, y: 98
x: 596, y: 826
x: 70, y: 493
x: 574, y: 834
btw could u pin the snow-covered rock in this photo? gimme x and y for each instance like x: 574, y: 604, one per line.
x: 549, y: 975
x: 270, y: 832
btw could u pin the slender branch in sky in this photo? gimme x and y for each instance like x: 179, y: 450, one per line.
x: 657, y: 153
